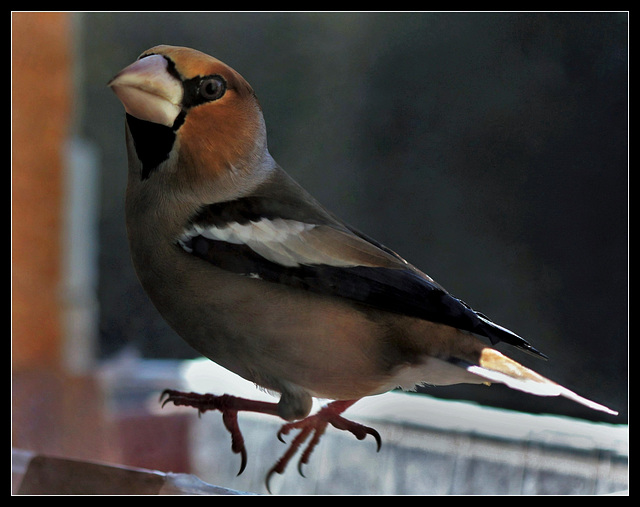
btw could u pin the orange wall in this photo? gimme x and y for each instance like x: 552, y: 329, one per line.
x: 41, y: 106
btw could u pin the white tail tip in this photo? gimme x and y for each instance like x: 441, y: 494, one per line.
x: 497, y: 367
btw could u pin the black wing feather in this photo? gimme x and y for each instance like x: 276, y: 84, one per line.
x: 401, y: 291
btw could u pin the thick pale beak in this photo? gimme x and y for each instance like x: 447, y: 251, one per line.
x: 148, y: 91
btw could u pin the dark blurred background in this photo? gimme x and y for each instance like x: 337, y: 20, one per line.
x: 488, y: 149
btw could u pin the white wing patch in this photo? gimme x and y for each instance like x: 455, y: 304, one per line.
x: 292, y: 243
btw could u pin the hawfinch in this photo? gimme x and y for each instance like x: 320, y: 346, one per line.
x: 259, y: 277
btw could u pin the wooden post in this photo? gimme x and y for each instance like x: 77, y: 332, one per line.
x: 41, y: 110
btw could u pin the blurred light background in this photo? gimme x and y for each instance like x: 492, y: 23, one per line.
x: 488, y: 149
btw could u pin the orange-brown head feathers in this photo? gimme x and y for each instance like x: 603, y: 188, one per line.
x: 188, y: 106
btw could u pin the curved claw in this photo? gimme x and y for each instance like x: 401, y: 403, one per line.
x: 230, y: 420
x: 243, y: 461
x: 268, y: 479
x: 377, y: 436
x: 300, y: 463
x: 360, y: 431
x: 166, y: 393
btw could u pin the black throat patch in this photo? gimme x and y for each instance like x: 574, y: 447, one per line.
x: 153, y: 142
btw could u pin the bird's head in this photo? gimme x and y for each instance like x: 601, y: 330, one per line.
x: 189, y: 112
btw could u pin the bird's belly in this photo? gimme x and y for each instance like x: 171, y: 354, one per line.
x: 272, y: 335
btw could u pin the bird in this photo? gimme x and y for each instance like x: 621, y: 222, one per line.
x: 258, y: 276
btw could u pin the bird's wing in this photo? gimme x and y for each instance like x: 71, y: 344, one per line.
x: 299, y: 244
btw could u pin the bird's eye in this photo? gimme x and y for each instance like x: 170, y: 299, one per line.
x: 212, y: 88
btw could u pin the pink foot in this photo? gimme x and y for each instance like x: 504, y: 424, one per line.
x: 229, y: 406
x: 317, y: 424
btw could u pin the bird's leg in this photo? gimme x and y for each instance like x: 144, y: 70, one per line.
x: 229, y: 406
x: 317, y: 424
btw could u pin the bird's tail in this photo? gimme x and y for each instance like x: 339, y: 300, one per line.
x: 496, y: 367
